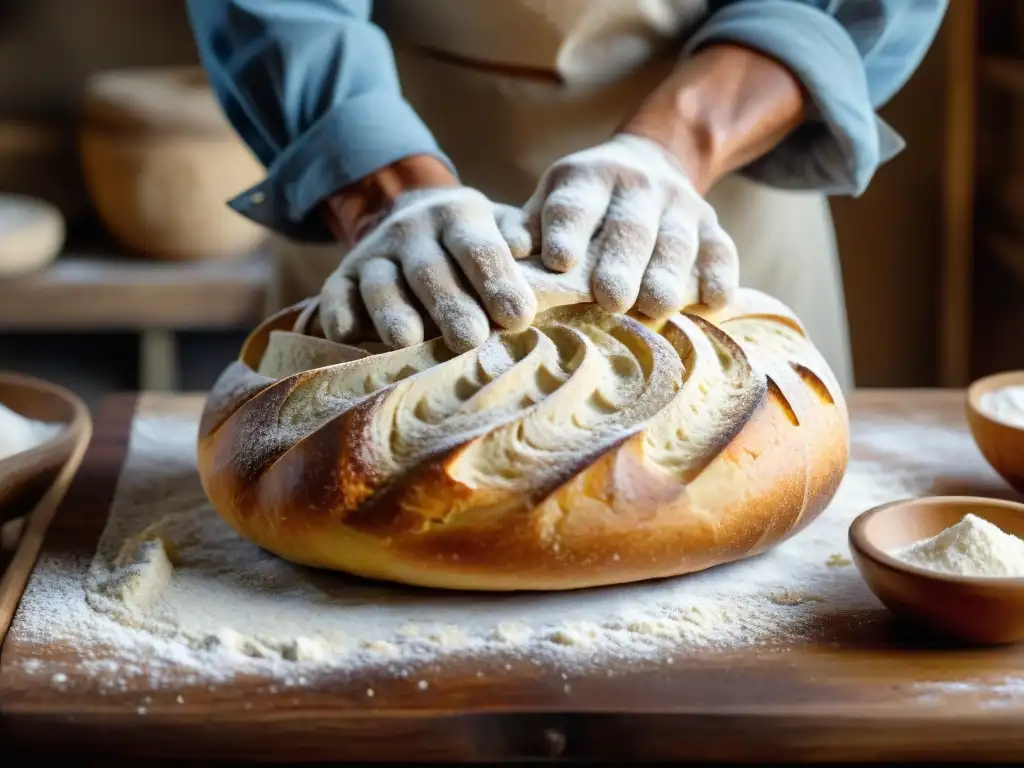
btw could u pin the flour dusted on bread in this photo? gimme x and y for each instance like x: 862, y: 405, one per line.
x: 592, y: 448
x: 19, y: 434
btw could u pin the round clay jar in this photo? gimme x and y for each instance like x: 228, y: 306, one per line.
x: 161, y: 161
x: 31, y: 234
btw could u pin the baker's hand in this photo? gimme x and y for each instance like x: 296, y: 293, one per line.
x: 656, y: 241
x: 430, y: 243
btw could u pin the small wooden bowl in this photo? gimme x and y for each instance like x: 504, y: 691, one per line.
x: 25, y: 475
x: 978, y: 610
x: 1000, y: 443
x: 159, y: 159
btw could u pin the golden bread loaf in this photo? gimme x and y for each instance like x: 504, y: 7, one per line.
x: 589, y: 449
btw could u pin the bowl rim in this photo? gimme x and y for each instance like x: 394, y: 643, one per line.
x: 80, y: 416
x: 986, y: 384
x: 861, y: 544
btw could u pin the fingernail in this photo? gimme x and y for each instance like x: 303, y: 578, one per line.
x: 613, y: 291
x: 512, y: 308
x: 463, y: 336
x: 715, y: 295
x: 520, y: 248
x: 561, y: 250
x: 400, y: 329
x: 558, y: 256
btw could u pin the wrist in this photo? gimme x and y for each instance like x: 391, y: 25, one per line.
x: 355, y: 210
x: 723, y: 108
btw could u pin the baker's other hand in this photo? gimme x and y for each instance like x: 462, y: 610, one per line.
x: 656, y: 241
x: 428, y: 246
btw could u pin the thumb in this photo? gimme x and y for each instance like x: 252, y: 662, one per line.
x: 341, y: 310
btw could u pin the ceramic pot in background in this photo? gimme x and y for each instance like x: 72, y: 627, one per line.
x: 31, y: 234
x: 160, y: 161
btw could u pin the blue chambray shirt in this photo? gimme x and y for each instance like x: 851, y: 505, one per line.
x: 311, y: 87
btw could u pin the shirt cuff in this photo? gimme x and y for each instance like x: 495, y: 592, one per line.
x: 348, y: 143
x: 842, y: 142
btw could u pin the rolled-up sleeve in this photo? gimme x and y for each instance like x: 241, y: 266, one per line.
x: 851, y: 56
x: 311, y: 87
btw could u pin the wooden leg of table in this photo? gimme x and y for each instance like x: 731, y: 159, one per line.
x: 961, y: 124
x: 158, y: 361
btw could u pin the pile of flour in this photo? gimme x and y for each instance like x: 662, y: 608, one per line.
x: 175, y: 595
x: 1005, y: 404
x: 1006, y: 692
x: 972, y: 547
x: 18, y: 433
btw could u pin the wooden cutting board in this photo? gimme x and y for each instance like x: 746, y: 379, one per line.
x: 864, y: 689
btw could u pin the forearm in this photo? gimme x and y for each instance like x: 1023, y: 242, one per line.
x: 311, y: 86
x: 849, y: 58
x: 721, y: 109
x: 357, y: 208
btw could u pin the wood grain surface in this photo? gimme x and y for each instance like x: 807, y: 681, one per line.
x: 857, y: 693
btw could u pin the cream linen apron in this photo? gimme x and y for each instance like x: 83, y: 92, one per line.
x: 570, y: 72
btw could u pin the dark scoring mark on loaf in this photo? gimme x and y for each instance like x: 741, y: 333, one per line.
x: 773, y: 388
x: 814, y: 382
x: 425, y: 496
x: 752, y: 403
x: 403, y: 506
x: 240, y: 383
x: 725, y: 346
x: 753, y: 390
x: 234, y: 389
x: 779, y: 319
x: 244, y: 449
x: 324, y: 473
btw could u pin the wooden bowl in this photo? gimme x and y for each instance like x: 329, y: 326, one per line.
x: 24, y: 476
x: 1001, y: 443
x: 160, y: 161
x: 977, y: 610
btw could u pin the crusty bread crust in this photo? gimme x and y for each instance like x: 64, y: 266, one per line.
x: 592, y: 449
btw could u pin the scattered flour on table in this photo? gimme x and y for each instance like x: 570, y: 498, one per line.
x: 18, y: 433
x: 972, y: 547
x: 1005, y: 404
x: 996, y: 693
x: 174, y: 595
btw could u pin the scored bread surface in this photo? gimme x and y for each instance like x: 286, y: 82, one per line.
x: 589, y: 449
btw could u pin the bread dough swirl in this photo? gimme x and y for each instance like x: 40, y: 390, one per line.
x: 589, y: 449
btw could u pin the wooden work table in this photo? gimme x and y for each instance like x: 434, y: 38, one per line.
x: 852, y: 695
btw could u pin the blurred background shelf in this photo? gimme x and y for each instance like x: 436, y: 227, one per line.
x: 98, y: 319
x: 94, y: 290
x: 98, y: 291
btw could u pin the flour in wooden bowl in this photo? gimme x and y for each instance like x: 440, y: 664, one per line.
x: 1005, y: 404
x: 173, y: 594
x: 19, y: 434
x: 972, y: 547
